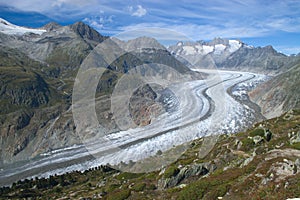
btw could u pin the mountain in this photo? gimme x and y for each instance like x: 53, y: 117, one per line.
x: 205, y: 54
x: 280, y: 94
x: 267, y: 60
x: 38, y: 68
x: 151, y: 51
x: 260, y: 163
x: 231, y: 54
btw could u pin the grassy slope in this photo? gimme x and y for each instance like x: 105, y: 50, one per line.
x: 230, y: 178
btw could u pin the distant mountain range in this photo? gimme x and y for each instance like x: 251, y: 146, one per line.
x: 232, y: 54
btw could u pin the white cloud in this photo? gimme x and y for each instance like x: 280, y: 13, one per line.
x: 160, y: 34
x: 96, y: 24
x: 284, y: 24
x: 198, y: 32
x: 288, y: 50
x: 139, y: 12
x: 100, y: 22
x: 59, y: 3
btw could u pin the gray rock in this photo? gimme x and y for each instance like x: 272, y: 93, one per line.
x: 257, y: 139
x: 268, y: 135
x: 296, y: 138
x: 297, y: 165
x: 184, y: 173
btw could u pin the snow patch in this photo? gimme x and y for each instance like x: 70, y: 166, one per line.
x: 189, y: 50
x: 207, y: 49
x: 11, y: 29
x: 219, y: 48
x: 234, y: 45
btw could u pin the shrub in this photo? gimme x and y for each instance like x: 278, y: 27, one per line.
x: 194, y: 191
x: 256, y: 132
x: 127, y: 175
x: 247, y: 144
x: 120, y: 195
x: 139, y: 187
x: 151, y: 187
x: 171, y: 171
x: 296, y: 145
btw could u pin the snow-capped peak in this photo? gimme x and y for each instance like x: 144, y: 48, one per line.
x: 218, y: 46
x: 11, y: 29
x: 205, y: 54
x: 234, y: 45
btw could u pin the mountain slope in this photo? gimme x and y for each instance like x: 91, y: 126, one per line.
x: 280, y: 94
x: 37, y: 78
x: 266, y: 60
x: 261, y: 163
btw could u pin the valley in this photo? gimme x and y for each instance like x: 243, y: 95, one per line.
x: 88, y: 115
x: 212, y: 111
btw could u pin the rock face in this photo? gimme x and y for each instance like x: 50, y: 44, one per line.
x: 86, y: 32
x: 144, y: 105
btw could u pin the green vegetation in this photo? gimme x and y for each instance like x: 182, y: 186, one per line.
x: 171, y: 171
x: 230, y: 175
x: 258, y: 131
x: 128, y: 175
x: 139, y: 187
x: 119, y: 195
x: 296, y: 145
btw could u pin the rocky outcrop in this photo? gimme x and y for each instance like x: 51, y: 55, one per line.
x: 185, y: 172
x: 144, y: 106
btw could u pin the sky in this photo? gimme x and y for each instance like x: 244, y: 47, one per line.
x: 255, y: 22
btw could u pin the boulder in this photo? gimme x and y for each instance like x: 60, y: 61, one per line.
x: 257, y: 139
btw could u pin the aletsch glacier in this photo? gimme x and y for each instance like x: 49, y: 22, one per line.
x: 194, y: 116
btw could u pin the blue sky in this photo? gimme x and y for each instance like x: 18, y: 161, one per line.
x: 256, y: 22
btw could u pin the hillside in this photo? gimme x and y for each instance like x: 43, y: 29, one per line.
x: 261, y: 163
x: 280, y: 94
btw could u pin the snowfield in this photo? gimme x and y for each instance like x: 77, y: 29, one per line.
x: 204, y: 108
x: 11, y: 29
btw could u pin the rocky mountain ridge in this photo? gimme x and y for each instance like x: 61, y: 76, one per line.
x: 232, y: 55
